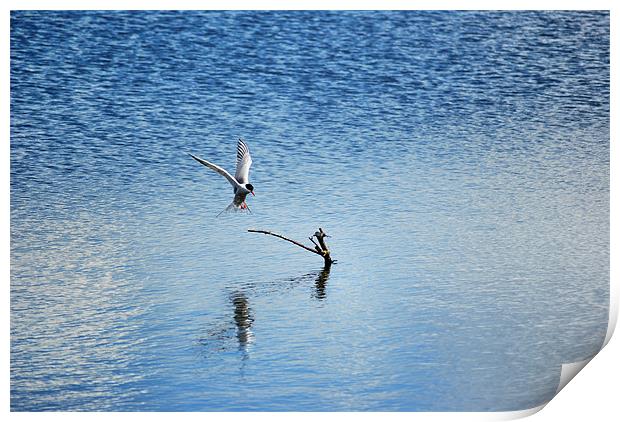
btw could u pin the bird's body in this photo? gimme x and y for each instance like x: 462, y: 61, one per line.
x: 240, y: 195
x: 241, y: 182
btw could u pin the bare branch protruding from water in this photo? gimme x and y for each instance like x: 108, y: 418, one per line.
x: 319, y: 249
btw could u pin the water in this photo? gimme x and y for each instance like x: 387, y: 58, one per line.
x: 460, y: 162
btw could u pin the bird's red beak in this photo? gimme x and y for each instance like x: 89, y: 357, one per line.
x: 252, y: 193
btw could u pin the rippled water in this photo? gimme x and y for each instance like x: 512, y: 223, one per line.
x: 460, y: 162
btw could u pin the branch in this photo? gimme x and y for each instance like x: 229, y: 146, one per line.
x: 320, y: 236
x: 287, y: 239
x: 319, y: 249
x: 312, y: 240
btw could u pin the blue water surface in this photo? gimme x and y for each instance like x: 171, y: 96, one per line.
x: 459, y: 161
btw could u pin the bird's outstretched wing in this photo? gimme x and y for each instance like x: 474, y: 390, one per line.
x: 244, y: 161
x: 219, y: 170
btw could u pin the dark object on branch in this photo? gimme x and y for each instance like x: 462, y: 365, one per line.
x: 320, y: 248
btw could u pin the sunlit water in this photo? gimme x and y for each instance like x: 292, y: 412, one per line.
x: 460, y: 162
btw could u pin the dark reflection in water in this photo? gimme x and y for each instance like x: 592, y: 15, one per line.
x: 243, y: 320
x: 226, y: 335
x: 321, y: 282
x: 280, y: 286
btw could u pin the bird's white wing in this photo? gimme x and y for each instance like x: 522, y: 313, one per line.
x: 218, y: 169
x: 244, y: 161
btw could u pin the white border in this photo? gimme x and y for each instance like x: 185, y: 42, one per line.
x: 590, y: 396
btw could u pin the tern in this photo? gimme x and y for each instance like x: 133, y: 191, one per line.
x: 241, y: 182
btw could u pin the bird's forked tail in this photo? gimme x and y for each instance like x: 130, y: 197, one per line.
x: 235, y: 208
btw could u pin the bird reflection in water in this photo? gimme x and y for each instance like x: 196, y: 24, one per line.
x: 231, y: 333
x: 321, y: 282
x: 221, y: 338
x: 243, y: 321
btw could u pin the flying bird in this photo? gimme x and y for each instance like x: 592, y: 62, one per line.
x: 241, y: 182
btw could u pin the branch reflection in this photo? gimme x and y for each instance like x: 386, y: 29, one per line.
x: 226, y: 333
x: 321, y: 282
